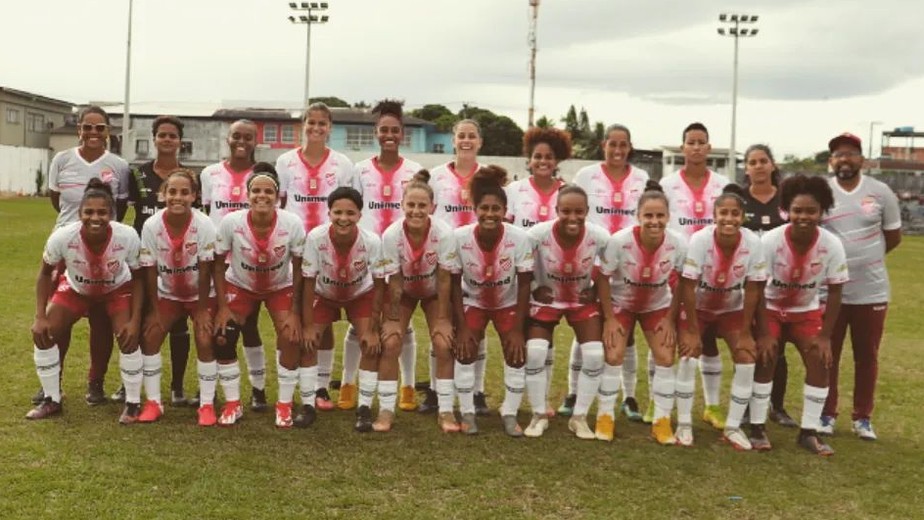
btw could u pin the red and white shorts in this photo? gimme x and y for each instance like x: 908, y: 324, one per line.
x: 116, y: 301
x: 175, y: 309
x: 504, y: 319
x: 722, y: 324
x: 549, y: 314
x: 243, y: 302
x: 648, y: 320
x: 792, y: 325
x: 328, y: 311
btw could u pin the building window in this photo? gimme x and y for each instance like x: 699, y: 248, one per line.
x: 141, y: 147
x: 35, y: 122
x: 12, y: 116
x: 186, y: 148
x: 270, y: 133
x: 406, y: 142
x: 358, y: 137
x: 288, y: 134
x: 438, y: 148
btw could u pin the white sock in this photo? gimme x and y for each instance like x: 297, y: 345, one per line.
x: 48, y: 368
x: 351, y: 355
x: 368, y: 381
x: 152, y: 366
x: 308, y: 384
x: 481, y: 364
x: 536, y: 352
x: 742, y: 385
x: 432, y: 369
x: 407, y: 360
x: 444, y: 395
x: 131, y: 366
x: 514, y: 380
x: 760, y: 402
x: 464, y: 381
x: 629, y: 372
x: 609, y: 390
x: 288, y: 379
x: 684, y: 388
x: 651, y: 373
x: 574, y: 368
x: 230, y: 378
x: 813, y: 401
x: 208, y: 378
x: 549, y: 365
x: 325, y: 367
x: 388, y: 395
x: 662, y: 385
x: 710, y: 369
x: 256, y: 366
x: 588, y: 380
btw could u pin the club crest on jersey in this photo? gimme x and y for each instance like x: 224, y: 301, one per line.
x: 113, y: 266
x: 586, y: 262
x: 505, y: 263
x: 330, y: 178
x: 280, y: 251
x: 815, y: 268
x: 665, y: 266
x: 106, y: 175
x: 430, y: 257
x: 191, y: 248
x: 359, y: 265
x: 738, y: 270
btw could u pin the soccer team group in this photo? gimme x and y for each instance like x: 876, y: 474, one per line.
x: 690, y: 260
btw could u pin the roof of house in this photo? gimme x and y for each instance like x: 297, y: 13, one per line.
x: 36, y: 97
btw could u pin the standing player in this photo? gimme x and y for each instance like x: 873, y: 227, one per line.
x: 177, y: 251
x: 491, y: 282
x: 224, y: 191
x: 68, y: 176
x: 800, y: 258
x: 565, y: 253
x: 692, y: 192
x: 867, y: 219
x: 258, y: 259
x: 101, y: 257
x: 418, y: 252
x: 532, y: 199
x: 720, y: 288
x: 613, y: 188
x: 640, y: 262
x: 343, y: 270
x: 380, y: 181
x: 307, y: 175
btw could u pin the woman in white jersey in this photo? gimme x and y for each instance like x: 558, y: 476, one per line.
x: 177, y: 251
x: 258, y: 259
x: 491, y: 283
x: 307, y: 175
x: 342, y: 269
x: 68, y: 175
x: 380, y: 181
x: 453, y: 206
x: 565, y: 254
x: 692, y: 192
x: 641, y: 262
x: 418, y: 252
x: 720, y: 289
x: 801, y: 257
x: 613, y: 188
x: 101, y: 258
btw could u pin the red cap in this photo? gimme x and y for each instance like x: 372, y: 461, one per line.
x: 845, y: 138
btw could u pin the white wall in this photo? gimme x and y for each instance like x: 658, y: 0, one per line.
x: 18, y: 165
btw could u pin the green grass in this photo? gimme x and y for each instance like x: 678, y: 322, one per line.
x: 84, y: 465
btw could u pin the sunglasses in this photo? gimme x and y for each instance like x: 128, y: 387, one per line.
x: 87, y: 127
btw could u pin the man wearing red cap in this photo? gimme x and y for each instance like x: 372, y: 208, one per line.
x: 867, y: 219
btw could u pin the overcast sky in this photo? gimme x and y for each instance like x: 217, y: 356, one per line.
x: 816, y: 68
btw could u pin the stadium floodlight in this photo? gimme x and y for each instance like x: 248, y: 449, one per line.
x: 309, y: 20
x: 733, y: 30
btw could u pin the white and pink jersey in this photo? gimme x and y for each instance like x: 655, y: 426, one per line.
x: 720, y: 278
x: 489, y: 278
x: 639, y: 278
x: 224, y: 190
x: 451, y: 196
x: 795, y: 279
x: 382, y: 192
x: 306, y: 187
x: 418, y: 263
x: 527, y: 205
x: 177, y: 258
x: 691, y: 209
x: 89, y: 273
x: 567, y: 271
x: 612, y: 204
x: 69, y: 174
x: 260, y: 265
x: 342, y: 277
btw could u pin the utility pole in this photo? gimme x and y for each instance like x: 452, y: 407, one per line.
x: 533, y: 22
x: 734, y: 31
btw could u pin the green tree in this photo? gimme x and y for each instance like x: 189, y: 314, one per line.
x: 361, y: 104
x: 431, y: 112
x: 571, y: 121
x: 501, y: 135
x: 816, y: 164
x: 331, y: 101
x: 545, y: 122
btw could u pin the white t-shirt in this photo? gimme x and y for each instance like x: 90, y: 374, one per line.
x: 451, y: 196
x: 720, y: 279
x: 418, y: 265
x: 489, y: 278
x: 612, y: 204
x: 794, y: 280
x: 382, y: 192
x: 69, y: 175
x: 566, y: 271
x: 177, y: 257
x: 691, y: 210
x: 92, y: 274
x: 306, y: 188
x: 342, y: 278
x: 640, y: 279
x: 223, y: 190
x: 527, y: 205
x: 260, y: 265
